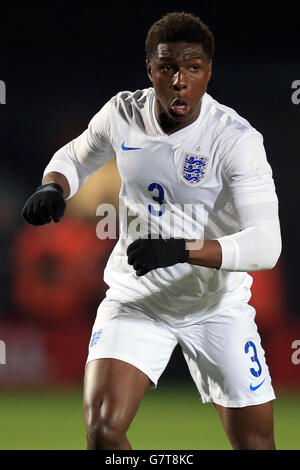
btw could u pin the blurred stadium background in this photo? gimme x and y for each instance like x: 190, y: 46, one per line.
x: 60, y: 64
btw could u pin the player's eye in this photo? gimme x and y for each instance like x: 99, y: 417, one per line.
x: 195, y: 67
x: 167, y: 67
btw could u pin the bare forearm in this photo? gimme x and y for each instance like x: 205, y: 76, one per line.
x: 58, y: 178
x: 206, y: 253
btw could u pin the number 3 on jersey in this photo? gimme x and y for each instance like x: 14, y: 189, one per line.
x: 254, y: 358
x: 159, y: 198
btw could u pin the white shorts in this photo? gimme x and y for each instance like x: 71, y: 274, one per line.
x: 223, y: 353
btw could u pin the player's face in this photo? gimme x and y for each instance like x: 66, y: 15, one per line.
x: 179, y: 73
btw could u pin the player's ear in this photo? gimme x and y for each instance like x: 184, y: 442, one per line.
x: 209, y: 70
x: 149, y: 69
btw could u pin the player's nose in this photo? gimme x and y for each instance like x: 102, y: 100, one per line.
x: 179, y: 80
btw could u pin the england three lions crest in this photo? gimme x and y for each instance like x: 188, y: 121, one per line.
x: 194, y: 168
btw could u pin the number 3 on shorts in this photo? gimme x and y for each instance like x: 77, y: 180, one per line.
x: 253, y: 358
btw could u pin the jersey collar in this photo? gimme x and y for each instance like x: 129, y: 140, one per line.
x: 178, y: 136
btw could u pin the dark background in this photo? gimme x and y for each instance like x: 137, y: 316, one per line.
x: 62, y: 62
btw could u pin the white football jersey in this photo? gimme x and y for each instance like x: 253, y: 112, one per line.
x: 209, y: 180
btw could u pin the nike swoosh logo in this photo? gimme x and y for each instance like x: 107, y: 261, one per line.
x: 123, y: 147
x: 253, y: 388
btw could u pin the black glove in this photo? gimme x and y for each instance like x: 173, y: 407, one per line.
x: 147, y: 254
x: 46, y: 203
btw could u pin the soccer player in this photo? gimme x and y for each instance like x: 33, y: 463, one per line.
x: 176, y: 148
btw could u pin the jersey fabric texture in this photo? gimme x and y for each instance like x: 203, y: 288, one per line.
x: 215, y: 168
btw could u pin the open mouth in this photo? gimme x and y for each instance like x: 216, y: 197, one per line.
x: 180, y: 107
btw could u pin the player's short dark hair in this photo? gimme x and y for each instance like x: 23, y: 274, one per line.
x: 179, y: 27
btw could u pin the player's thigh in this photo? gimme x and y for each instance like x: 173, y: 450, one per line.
x: 227, y: 361
x: 113, y: 390
x: 128, y: 352
x: 124, y: 333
